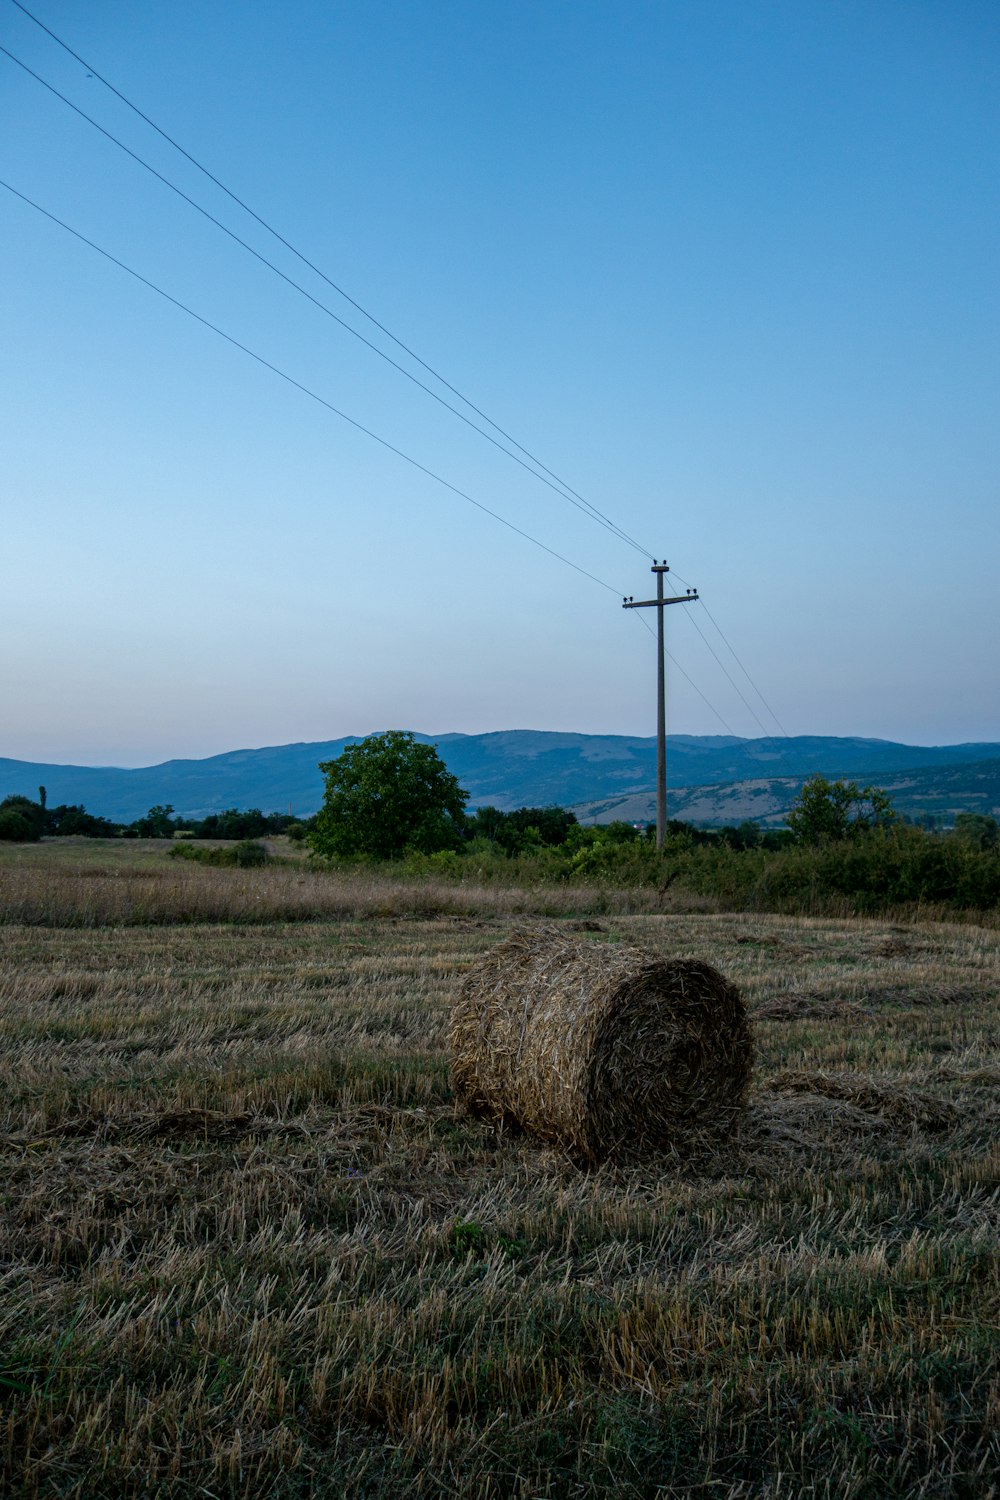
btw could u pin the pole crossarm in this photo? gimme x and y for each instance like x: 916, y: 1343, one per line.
x: 644, y: 603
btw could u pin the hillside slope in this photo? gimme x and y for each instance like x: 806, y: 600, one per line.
x: 939, y: 791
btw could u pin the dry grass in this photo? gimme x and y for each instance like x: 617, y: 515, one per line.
x: 96, y: 883
x: 601, y: 1049
x: 249, y: 1248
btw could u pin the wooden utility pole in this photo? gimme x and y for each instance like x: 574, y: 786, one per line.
x: 661, y: 688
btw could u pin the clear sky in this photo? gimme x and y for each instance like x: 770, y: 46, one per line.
x: 730, y: 269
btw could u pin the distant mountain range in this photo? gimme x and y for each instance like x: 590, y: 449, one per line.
x: 712, y: 779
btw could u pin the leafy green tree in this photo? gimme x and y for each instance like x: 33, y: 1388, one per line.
x: 825, y: 811
x: 21, y: 820
x: 157, y: 824
x: 66, y: 820
x: 523, y: 830
x: 233, y: 824
x: 386, y: 795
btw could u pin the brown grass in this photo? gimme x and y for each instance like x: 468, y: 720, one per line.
x: 248, y: 1247
x: 890, y: 1103
x: 599, y: 1049
x: 94, y: 883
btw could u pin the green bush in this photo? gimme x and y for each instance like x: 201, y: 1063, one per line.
x: 246, y: 855
x: 876, y: 869
x: 832, y: 810
x: 15, y: 828
x: 608, y: 857
x: 523, y: 830
x: 21, y: 820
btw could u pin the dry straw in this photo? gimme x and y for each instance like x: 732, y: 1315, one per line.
x: 599, y: 1049
x: 904, y: 1108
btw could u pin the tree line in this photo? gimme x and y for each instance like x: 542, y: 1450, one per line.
x: 23, y: 820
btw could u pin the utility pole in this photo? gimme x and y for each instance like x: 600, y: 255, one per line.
x: 661, y: 688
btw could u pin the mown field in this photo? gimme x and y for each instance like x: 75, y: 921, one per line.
x: 249, y: 1247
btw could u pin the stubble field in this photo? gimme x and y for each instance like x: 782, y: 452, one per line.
x: 249, y: 1247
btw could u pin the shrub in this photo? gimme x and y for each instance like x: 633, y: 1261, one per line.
x: 21, y: 820
x: 15, y: 828
x: 523, y: 830
x: 246, y: 854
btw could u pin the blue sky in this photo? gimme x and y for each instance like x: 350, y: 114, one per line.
x: 729, y: 269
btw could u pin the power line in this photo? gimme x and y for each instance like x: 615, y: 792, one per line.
x: 680, y: 669
x: 306, y: 390
x: 570, y: 492
x: 781, y: 728
x: 566, y: 492
x: 768, y: 737
x: 614, y: 530
x: 560, y: 486
x: 746, y: 674
x: 729, y: 679
x: 691, y: 682
x: 688, y: 679
x: 383, y: 442
x: 731, y: 648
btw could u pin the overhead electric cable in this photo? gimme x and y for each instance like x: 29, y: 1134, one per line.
x: 367, y: 431
x: 743, y: 669
x: 732, y: 684
x: 783, y: 731
x: 415, y: 463
x: 690, y: 680
x: 590, y: 507
x: 561, y: 492
x: 715, y: 711
x: 769, y: 738
x: 796, y: 753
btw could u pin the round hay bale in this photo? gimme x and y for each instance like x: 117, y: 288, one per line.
x: 599, y: 1049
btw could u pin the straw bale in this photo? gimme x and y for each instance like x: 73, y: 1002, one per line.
x: 599, y: 1049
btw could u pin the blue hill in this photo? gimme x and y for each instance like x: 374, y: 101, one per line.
x: 509, y: 768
